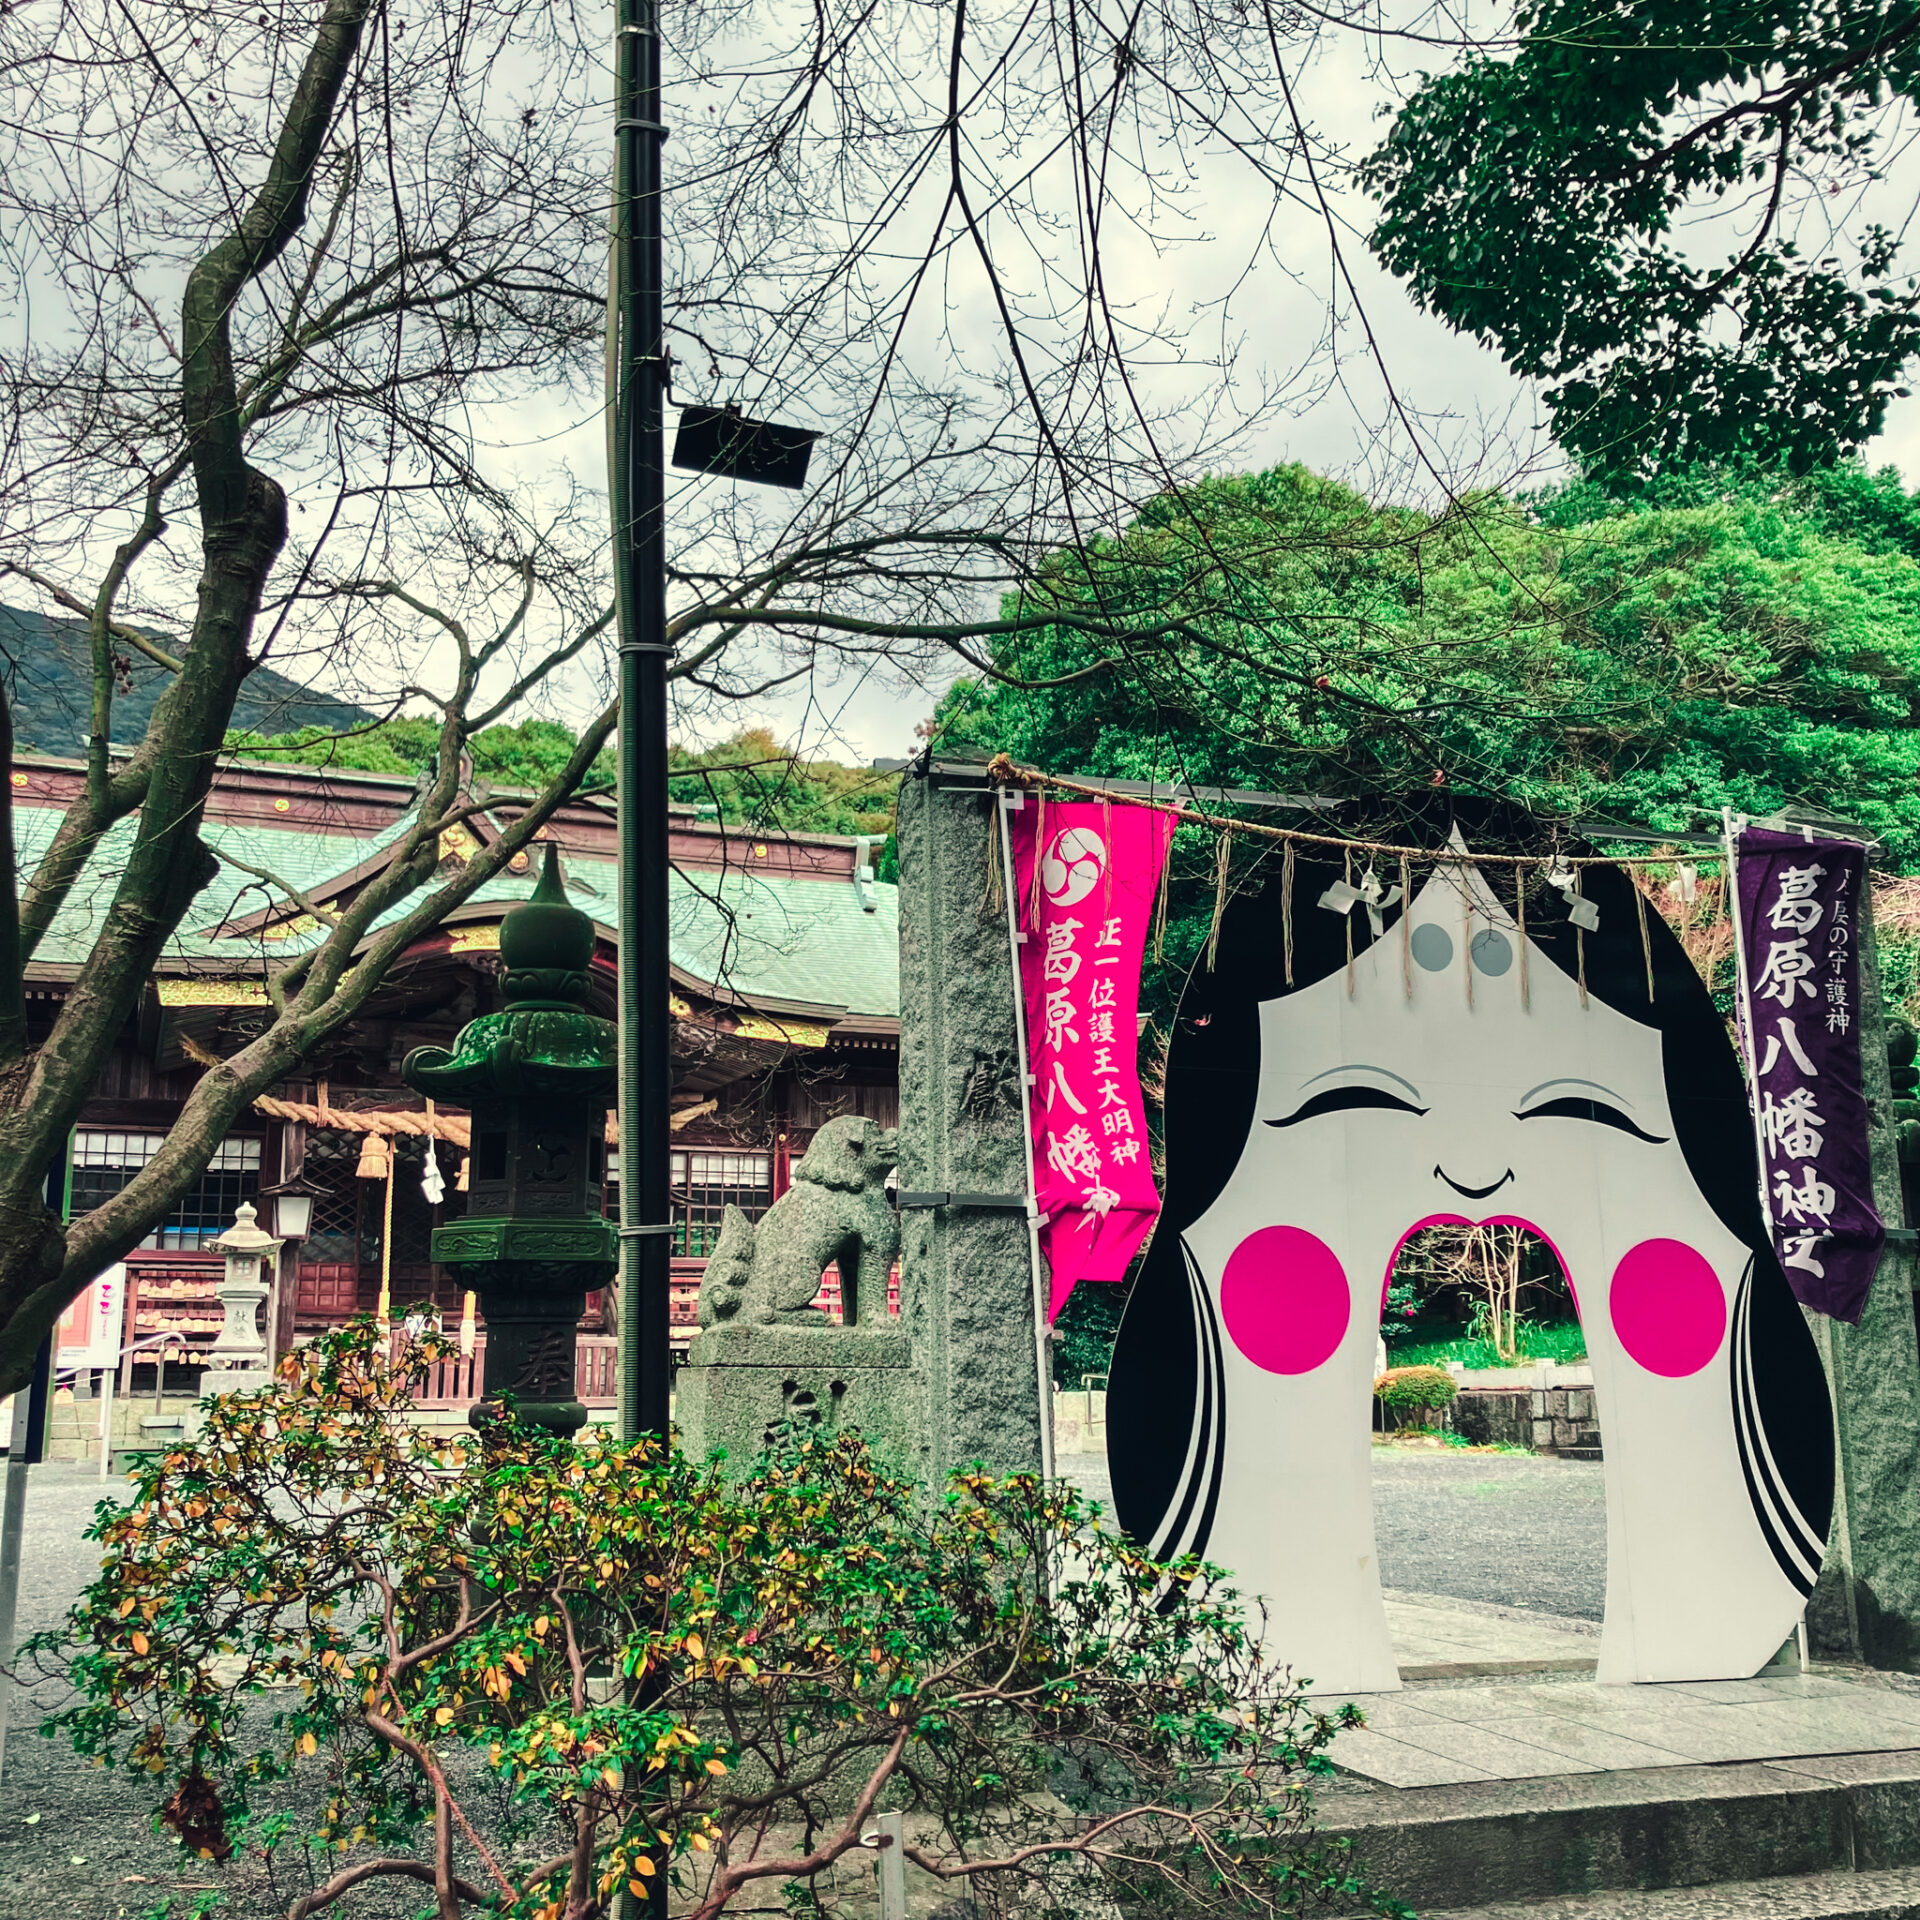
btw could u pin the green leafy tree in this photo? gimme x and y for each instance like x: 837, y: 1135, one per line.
x: 1054, y: 1714
x: 1544, y: 200
x: 748, y: 779
x: 751, y: 780
x: 1722, y: 640
x: 527, y: 755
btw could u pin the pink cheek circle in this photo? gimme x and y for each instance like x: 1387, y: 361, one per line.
x: 1285, y: 1300
x: 1667, y: 1308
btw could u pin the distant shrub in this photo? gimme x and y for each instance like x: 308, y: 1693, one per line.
x: 1405, y: 1387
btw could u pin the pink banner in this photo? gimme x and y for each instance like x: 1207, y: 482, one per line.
x: 1085, y: 924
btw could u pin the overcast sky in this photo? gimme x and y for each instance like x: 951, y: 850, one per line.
x: 1388, y: 398
x: 1379, y: 395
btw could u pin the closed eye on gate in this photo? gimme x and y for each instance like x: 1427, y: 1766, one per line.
x: 1594, y: 1110
x: 1347, y: 1100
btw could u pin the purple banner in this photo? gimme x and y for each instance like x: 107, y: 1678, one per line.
x: 1800, y: 903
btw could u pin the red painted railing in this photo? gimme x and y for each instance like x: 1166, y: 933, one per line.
x: 461, y: 1379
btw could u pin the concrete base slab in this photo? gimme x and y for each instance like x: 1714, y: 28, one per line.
x: 1517, y: 1730
x: 1470, y: 1844
x: 1439, y: 1638
x: 1892, y: 1895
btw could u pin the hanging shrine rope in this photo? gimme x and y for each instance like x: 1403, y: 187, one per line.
x: 1007, y: 773
x: 1693, y: 929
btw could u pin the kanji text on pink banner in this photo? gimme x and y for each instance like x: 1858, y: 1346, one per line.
x: 1085, y: 915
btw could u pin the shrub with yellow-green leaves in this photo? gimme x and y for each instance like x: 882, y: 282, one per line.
x: 694, y: 1683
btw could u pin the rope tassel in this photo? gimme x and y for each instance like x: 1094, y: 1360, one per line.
x: 1222, y: 864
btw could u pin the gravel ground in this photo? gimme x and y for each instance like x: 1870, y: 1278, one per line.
x: 78, y: 1844
x: 1513, y: 1529
x: 73, y: 1841
x: 1509, y: 1529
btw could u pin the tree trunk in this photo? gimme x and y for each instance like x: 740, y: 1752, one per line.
x: 243, y: 526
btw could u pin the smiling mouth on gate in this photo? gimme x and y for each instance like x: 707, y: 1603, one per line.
x: 1472, y: 1193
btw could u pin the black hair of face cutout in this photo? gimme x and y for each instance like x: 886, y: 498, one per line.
x: 1212, y: 1086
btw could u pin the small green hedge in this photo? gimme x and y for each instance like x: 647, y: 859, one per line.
x: 1415, y: 1387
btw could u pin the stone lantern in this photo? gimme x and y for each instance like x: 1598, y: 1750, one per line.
x: 536, y: 1077
x: 238, y: 1361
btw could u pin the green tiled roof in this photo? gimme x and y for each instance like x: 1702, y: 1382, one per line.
x: 789, y: 939
x: 303, y: 859
x: 748, y: 935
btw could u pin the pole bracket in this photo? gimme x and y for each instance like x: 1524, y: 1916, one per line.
x: 640, y: 1233
x: 919, y: 1202
x: 643, y: 126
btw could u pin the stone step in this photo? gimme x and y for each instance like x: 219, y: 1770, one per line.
x: 1485, y: 1843
x: 1890, y: 1894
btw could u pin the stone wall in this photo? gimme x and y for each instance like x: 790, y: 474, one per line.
x: 1559, y: 1420
x: 73, y: 1426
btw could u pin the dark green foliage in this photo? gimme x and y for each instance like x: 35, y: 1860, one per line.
x: 751, y: 780
x: 748, y: 780
x: 318, y: 1589
x: 1538, y: 200
x: 1725, y: 640
x: 1398, y: 1311
x: 1083, y: 1334
x: 527, y: 755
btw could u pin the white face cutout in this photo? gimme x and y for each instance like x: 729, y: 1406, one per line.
x: 1435, y: 1091
x: 1438, y: 1087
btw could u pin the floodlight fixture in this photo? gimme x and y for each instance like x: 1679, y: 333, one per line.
x: 724, y: 441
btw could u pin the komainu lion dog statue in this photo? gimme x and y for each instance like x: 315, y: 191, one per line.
x: 837, y: 1210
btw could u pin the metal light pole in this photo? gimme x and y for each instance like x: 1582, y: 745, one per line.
x: 715, y: 440
x: 637, y: 485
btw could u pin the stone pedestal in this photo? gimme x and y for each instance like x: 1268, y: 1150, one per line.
x: 533, y: 1310
x: 217, y: 1381
x: 1867, y: 1605
x: 740, y: 1382
x: 966, y: 1273
x: 238, y: 1361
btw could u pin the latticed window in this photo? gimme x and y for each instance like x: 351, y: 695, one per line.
x: 106, y: 1161
x: 335, y: 1235
x: 706, y: 1181
x: 412, y: 1216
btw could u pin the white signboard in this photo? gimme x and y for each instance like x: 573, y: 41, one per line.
x: 1324, y: 1103
x: 90, y: 1329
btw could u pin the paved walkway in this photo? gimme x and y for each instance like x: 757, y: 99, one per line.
x: 1436, y: 1637
x: 1495, y: 1568
x: 1439, y: 1735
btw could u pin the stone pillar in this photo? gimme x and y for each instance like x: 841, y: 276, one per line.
x: 1867, y: 1605
x: 966, y: 1273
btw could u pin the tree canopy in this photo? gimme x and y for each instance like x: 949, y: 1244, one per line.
x: 1670, y: 212
x: 1718, y: 640
x: 747, y: 779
